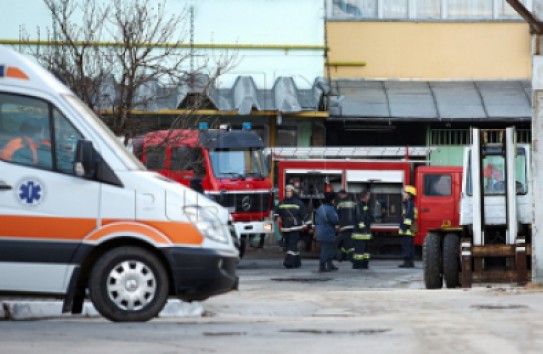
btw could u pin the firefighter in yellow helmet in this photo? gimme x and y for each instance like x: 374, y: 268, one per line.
x: 407, y: 226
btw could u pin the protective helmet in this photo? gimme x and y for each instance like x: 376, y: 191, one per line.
x: 410, y: 189
x: 289, y: 187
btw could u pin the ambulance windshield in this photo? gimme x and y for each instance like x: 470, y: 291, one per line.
x: 129, y: 159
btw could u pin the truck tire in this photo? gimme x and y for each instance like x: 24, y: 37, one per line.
x: 451, y: 261
x: 128, y: 284
x: 431, y: 261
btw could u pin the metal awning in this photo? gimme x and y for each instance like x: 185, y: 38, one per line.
x: 432, y: 100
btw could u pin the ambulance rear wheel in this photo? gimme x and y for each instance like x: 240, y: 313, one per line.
x: 431, y: 261
x: 451, y: 260
x: 128, y: 284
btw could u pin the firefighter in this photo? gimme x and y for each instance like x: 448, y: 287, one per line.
x: 362, y: 233
x: 292, y: 214
x: 407, y: 226
x: 346, y: 211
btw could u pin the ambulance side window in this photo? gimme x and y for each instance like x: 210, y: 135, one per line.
x: 66, y: 137
x: 25, y: 136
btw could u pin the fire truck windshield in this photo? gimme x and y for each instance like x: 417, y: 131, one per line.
x: 238, y: 163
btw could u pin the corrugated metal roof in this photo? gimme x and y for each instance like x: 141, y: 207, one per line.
x: 432, y: 100
x: 243, y: 96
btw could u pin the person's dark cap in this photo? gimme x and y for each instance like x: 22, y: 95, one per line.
x: 329, y: 196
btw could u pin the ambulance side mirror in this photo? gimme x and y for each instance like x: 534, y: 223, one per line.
x: 84, y: 162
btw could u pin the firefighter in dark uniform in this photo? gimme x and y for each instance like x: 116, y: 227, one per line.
x: 346, y: 211
x: 362, y: 233
x: 407, y: 226
x: 293, y: 215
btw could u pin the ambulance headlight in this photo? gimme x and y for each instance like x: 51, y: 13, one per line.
x: 206, y: 222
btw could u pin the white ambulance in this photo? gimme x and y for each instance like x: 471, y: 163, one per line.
x: 80, y: 216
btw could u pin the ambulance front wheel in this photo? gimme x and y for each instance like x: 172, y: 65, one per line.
x: 128, y: 284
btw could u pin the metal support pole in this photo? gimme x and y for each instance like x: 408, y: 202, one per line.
x: 537, y: 153
x: 537, y: 186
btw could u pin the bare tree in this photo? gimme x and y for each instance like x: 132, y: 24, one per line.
x: 145, y: 48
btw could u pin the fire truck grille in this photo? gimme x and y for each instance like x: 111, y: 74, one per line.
x: 246, y: 202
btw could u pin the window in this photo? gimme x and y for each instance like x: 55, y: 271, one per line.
x: 437, y: 185
x: 287, y: 136
x: 66, y: 138
x: 154, y: 158
x: 395, y: 9
x: 423, y: 9
x: 25, y: 137
x: 182, y: 158
x: 469, y: 9
x: 428, y: 9
x: 493, y: 174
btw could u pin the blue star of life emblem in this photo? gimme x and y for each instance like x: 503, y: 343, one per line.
x: 30, y: 192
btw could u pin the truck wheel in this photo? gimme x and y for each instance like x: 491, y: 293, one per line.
x: 431, y: 262
x: 128, y: 284
x: 451, y: 262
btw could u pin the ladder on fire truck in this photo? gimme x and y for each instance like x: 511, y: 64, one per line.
x: 358, y: 152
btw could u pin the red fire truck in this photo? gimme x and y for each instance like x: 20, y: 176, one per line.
x: 382, y: 170
x: 228, y: 164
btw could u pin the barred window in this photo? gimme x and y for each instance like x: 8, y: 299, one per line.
x: 413, y: 10
x: 440, y: 137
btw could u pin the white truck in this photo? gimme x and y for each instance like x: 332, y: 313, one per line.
x: 493, y: 241
x: 80, y: 215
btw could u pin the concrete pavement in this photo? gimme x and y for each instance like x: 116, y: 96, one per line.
x: 257, y: 262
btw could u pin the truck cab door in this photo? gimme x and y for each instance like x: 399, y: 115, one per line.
x: 437, y: 201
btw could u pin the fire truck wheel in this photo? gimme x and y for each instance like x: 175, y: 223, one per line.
x: 128, y: 284
x: 431, y: 261
x: 451, y: 262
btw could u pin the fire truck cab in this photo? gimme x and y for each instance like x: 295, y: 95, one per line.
x: 228, y: 164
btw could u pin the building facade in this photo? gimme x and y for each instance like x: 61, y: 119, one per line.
x: 421, y: 72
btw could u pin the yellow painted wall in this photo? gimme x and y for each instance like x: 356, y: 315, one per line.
x: 430, y: 50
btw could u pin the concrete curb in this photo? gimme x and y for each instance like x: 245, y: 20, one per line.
x: 21, y: 310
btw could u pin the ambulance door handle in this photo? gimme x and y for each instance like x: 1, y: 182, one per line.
x: 4, y: 186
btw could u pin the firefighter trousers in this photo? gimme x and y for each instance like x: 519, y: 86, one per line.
x: 361, y: 255
x: 345, y: 247
x: 292, y: 258
x: 408, y: 247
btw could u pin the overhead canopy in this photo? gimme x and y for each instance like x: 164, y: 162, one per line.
x: 432, y: 100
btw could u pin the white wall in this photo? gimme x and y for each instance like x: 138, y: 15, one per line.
x: 260, y: 22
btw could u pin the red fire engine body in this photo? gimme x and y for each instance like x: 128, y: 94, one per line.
x: 438, y: 188
x: 229, y: 165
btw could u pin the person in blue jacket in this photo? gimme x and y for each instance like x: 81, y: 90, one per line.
x: 326, y: 220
